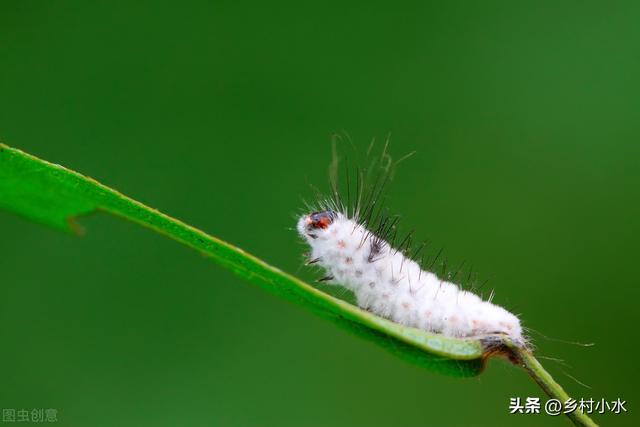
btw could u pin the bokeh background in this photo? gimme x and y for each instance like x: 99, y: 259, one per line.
x: 525, y: 120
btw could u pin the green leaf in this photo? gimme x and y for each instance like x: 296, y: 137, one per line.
x: 55, y: 196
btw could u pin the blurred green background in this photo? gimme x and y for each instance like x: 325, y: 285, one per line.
x: 525, y: 119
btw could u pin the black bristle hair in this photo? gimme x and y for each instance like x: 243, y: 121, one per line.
x: 364, y: 205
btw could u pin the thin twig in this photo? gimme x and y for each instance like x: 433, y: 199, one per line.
x: 554, y: 390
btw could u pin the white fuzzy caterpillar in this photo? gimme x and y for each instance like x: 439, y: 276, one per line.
x: 388, y: 283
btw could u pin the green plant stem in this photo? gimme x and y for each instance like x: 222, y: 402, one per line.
x: 536, y: 371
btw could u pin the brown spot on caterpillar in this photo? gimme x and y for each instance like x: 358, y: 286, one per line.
x: 342, y: 244
x: 348, y: 260
x: 385, y: 295
x: 406, y: 305
x: 372, y: 285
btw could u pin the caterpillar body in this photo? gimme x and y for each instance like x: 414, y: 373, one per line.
x: 388, y: 283
x: 352, y: 242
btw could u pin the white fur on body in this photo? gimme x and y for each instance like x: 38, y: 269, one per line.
x: 394, y: 286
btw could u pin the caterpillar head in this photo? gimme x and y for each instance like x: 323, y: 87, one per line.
x: 316, y: 224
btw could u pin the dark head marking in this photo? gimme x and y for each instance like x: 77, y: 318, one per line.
x: 321, y: 219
